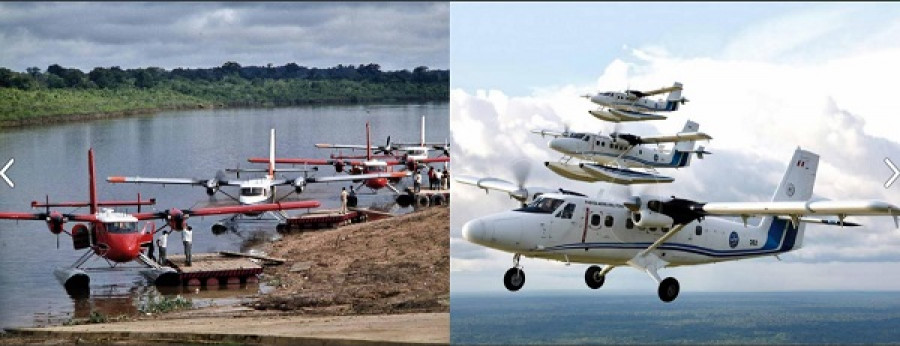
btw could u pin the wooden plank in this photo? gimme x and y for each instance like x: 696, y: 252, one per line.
x: 259, y: 257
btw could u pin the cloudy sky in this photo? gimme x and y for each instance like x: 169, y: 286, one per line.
x: 762, y: 79
x: 207, y: 34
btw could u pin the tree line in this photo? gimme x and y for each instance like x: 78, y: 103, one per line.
x: 60, y: 91
x: 57, y: 77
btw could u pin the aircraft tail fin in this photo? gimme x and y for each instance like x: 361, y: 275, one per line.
x: 93, y: 182
x: 422, y: 133
x: 796, y: 185
x: 675, y: 99
x: 272, y: 154
x: 683, y: 150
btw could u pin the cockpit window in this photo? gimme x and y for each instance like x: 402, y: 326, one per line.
x: 543, y: 205
x: 567, y: 212
x: 251, y: 191
x: 121, y: 227
x: 576, y: 135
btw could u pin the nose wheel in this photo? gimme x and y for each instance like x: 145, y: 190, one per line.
x: 514, y: 278
x: 594, y: 277
x: 668, y: 289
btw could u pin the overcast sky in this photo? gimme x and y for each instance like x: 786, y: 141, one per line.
x: 207, y: 34
x: 768, y: 79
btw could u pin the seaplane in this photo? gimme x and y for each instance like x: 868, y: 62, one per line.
x: 651, y: 233
x: 610, y: 158
x: 252, y: 191
x: 634, y: 105
x: 415, y: 154
x: 117, y: 237
x: 373, y: 173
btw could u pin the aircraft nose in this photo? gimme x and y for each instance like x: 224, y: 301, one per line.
x: 562, y: 145
x: 474, y: 231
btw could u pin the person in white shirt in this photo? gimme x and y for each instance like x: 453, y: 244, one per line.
x: 161, y: 243
x: 344, y: 196
x: 186, y: 238
x: 417, y: 182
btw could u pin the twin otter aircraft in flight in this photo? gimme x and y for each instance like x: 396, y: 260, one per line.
x: 650, y: 233
x: 610, y: 156
x: 633, y: 105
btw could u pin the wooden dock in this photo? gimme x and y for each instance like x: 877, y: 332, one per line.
x: 325, y: 218
x: 215, y: 269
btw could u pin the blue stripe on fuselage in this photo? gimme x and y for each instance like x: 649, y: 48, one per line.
x: 776, y: 234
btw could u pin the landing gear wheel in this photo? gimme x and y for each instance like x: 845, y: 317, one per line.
x: 668, y: 289
x: 514, y: 279
x: 593, y: 278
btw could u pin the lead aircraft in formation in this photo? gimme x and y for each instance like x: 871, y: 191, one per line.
x: 651, y: 233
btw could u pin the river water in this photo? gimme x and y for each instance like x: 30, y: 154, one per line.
x: 52, y: 160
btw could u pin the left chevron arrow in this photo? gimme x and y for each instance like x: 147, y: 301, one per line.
x: 3, y: 173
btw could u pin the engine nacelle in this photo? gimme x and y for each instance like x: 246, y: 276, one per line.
x: 645, y: 218
x: 55, y: 222
x: 212, y: 186
x: 176, y: 219
x: 410, y: 165
x: 338, y: 166
x: 299, y: 184
x: 356, y: 170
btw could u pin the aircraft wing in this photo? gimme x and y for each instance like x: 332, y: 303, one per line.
x: 142, y: 180
x: 173, y: 181
x: 680, y: 137
x: 524, y: 194
x: 236, y: 209
x: 490, y: 184
x: 660, y: 91
x: 350, y: 177
x: 302, y: 161
x: 344, y: 146
x: 550, y: 133
x: 23, y: 216
x: 434, y: 159
x: 801, y: 208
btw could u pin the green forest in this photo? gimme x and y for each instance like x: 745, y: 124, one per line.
x: 43, y: 96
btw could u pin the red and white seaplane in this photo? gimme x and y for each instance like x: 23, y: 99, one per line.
x: 373, y: 173
x: 117, y: 237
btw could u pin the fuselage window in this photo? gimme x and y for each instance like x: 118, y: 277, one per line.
x: 664, y: 229
x: 603, y: 144
x: 699, y: 230
x: 595, y: 220
x: 652, y: 229
x: 628, y: 223
x: 609, y: 221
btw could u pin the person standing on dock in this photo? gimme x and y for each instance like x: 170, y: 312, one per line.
x: 161, y: 243
x: 445, y: 179
x: 417, y: 182
x: 186, y: 238
x: 352, y: 201
x: 432, y: 178
x: 344, y: 197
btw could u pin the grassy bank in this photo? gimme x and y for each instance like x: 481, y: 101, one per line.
x: 23, y: 107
